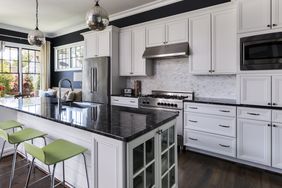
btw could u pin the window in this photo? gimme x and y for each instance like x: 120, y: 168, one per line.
x: 69, y: 57
x: 19, y: 70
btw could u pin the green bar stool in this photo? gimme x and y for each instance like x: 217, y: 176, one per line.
x: 54, y: 153
x: 7, y: 125
x: 16, y: 139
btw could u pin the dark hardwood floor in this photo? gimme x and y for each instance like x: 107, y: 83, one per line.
x: 195, y: 171
x: 201, y: 171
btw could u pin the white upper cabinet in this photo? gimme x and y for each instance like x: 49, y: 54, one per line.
x: 125, y: 53
x: 131, y: 49
x: 277, y: 91
x: 177, y: 31
x: 167, y: 33
x: 259, y: 15
x: 213, y: 43
x: 97, y: 44
x: 254, y: 141
x: 104, y: 44
x: 254, y: 15
x: 200, y: 44
x: 224, y: 42
x: 256, y: 90
x: 138, y: 48
x: 155, y: 35
x: 276, y: 13
x: 276, y: 145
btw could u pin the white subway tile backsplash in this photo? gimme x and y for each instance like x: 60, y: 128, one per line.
x: 173, y: 74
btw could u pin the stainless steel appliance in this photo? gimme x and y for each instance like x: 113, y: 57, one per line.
x: 128, y: 92
x: 167, y: 100
x: 96, y: 80
x: 167, y: 51
x: 261, y: 52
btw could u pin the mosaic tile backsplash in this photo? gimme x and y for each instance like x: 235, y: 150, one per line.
x: 173, y: 75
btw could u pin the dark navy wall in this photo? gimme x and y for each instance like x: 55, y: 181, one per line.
x: 169, y: 10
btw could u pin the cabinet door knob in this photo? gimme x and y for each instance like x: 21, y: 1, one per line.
x: 269, y: 103
x: 274, y: 125
x: 274, y: 104
x: 268, y: 125
x: 274, y: 25
x: 268, y: 25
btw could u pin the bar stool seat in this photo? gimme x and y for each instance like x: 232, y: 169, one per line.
x: 55, y: 152
x: 17, y: 138
x: 10, y: 124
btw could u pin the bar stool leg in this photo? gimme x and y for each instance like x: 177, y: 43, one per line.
x: 45, y: 143
x: 29, y: 173
x: 13, y: 166
x: 53, y: 177
x: 2, y: 150
x: 64, y: 176
x: 86, y: 172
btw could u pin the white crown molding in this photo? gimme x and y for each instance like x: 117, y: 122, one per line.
x: 123, y: 14
x: 142, y: 8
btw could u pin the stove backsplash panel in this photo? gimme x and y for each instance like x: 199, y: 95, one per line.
x: 173, y: 74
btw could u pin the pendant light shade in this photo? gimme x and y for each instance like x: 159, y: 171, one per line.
x: 97, y: 18
x: 36, y: 37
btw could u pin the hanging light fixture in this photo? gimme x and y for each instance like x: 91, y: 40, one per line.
x: 97, y: 17
x: 36, y: 37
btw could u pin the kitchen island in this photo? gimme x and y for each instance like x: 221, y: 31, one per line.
x: 126, y: 147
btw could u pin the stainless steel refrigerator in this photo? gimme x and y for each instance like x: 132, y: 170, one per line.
x: 96, y: 80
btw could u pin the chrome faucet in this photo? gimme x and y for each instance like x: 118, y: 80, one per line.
x: 60, y: 89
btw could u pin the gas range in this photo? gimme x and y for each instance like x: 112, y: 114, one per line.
x: 165, y: 99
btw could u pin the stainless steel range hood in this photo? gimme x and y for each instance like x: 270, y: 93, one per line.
x: 167, y: 51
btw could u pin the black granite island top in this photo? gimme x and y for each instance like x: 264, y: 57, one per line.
x: 120, y: 123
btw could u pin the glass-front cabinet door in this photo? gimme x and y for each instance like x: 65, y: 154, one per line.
x: 152, y: 161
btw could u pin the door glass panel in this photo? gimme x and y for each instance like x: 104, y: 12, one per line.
x: 138, y: 181
x: 150, y: 176
x: 138, y: 158
x: 164, y: 140
x: 150, y: 150
x: 165, y: 181
x: 172, y: 177
x: 171, y: 135
x: 164, y: 162
x: 171, y: 156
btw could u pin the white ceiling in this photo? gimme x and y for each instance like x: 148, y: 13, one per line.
x: 55, y: 15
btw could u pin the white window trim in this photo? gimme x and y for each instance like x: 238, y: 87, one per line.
x: 68, y: 46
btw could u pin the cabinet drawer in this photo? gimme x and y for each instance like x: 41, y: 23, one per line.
x: 125, y: 101
x: 277, y: 116
x: 210, y: 109
x: 210, y: 123
x: 254, y: 113
x: 209, y: 142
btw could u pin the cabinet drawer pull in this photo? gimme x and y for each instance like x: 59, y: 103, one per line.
x: 226, y: 111
x: 192, y: 121
x: 116, y: 100
x: 224, y: 126
x: 132, y: 101
x: 224, y: 146
x: 253, y: 114
x: 194, y: 139
x: 195, y: 108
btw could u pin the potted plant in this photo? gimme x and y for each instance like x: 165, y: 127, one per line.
x: 2, y: 91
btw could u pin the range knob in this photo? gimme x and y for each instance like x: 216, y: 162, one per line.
x: 158, y: 103
x: 175, y: 105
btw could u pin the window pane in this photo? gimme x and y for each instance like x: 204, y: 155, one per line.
x: 31, y: 84
x: 8, y: 84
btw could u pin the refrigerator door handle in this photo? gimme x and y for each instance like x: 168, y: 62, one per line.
x: 93, y: 80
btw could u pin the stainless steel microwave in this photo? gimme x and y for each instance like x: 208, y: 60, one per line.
x: 261, y: 52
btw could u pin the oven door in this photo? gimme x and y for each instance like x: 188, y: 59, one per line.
x: 179, y: 119
x: 261, y: 52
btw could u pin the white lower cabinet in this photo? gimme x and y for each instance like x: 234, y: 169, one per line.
x: 276, y: 145
x: 254, y: 141
x: 153, y: 159
x: 210, y: 142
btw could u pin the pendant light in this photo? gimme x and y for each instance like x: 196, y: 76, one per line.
x: 97, y: 17
x: 36, y: 37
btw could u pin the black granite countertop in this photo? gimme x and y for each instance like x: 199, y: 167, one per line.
x: 229, y: 102
x: 120, y: 123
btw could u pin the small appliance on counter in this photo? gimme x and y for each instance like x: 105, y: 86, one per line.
x: 137, y: 88
x: 128, y: 92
